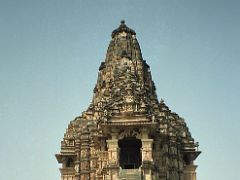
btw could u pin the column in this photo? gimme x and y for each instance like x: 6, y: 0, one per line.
x: 113, y: 158
x: 85, y: 155
x: 147, y: 158
x: 190, y: 172
x: 77, y: 162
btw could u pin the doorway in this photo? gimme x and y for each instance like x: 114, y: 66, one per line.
x: 130, y: 153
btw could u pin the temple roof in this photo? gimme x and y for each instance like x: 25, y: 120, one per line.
x: 125, y: 95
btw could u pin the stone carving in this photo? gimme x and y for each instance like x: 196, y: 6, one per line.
x: 69, y: 142
x: 129, y: 133
x: 125, y: 105
x: 76, y: 168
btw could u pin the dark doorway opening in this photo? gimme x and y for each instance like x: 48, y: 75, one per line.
x: 130, y: 153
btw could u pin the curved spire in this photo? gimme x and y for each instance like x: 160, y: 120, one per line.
x: 124, y: 82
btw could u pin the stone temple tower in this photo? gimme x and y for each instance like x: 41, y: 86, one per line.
x: 126, y: 133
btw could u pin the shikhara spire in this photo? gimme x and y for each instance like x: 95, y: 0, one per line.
x: 125, y: 119
x: 124, y: 79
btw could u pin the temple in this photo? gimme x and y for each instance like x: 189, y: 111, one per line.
x: 126, y: 133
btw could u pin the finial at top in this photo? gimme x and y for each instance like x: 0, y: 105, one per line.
x: 123, y: 28
x: 122, y: 21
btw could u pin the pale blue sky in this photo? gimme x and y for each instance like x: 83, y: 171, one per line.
x: 50, y: 51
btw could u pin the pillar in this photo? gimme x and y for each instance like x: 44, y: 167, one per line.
x: 85, y: 155
x: 113, y: 158
x: 190, y: 172
x: 147, y: 158
x: 77, y: 162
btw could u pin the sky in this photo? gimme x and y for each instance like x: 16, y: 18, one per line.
x: 50, y: 51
